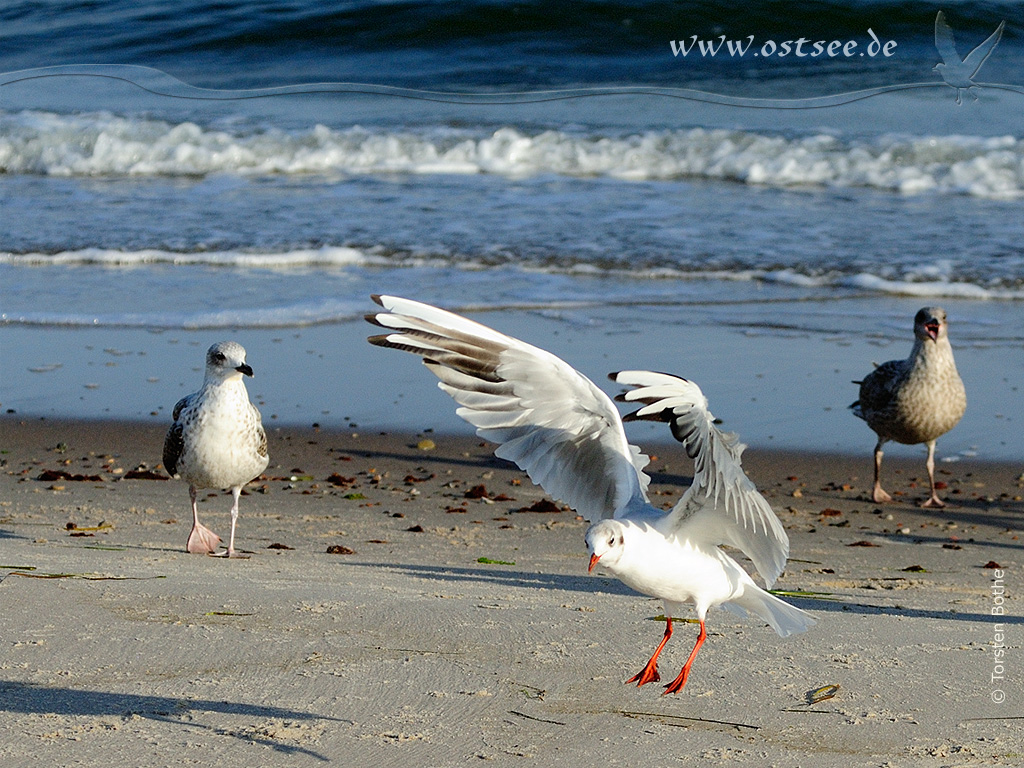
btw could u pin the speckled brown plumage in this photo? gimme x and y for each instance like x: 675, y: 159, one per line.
x: 916, y: 400
x: 217, y: 439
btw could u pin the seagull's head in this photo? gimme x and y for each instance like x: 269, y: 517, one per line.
x: 605, y: 540
x: 226, y: 360
x: 930, y: 324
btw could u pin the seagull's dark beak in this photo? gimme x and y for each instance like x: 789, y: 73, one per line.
x: 593, y: 562
x: 932, y: 326
x: 244, y: 368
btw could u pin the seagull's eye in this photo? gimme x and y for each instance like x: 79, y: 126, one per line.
x: 218, y: 357
x: 611, y: 542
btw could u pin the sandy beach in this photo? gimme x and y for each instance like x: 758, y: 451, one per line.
x: 402, y: 604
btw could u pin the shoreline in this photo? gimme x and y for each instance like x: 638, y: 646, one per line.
x: 777, y: 387
x: 460, y: 628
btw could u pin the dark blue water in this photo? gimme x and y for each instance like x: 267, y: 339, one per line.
x: 242, y: 44
x: 248, y: 167
x: 158, y: 139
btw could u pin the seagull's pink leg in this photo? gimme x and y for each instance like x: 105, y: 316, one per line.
x: 677, y: 685
x: 649, y: 674
x: 201, y: 540
x: 877, y: 494
x: 934, y: 501
x: 236, y: 492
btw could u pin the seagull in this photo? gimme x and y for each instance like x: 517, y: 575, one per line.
x: 959, y: 73
x: 217, y: 439
x: 916, y: 400
x: 567, y: 434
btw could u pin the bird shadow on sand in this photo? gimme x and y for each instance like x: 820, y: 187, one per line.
x: 481, y: 457
x: 31, y: 699
x: 977, y: 512
x: 960, y: 542
x: 818, y: 606
x: 506, y: 577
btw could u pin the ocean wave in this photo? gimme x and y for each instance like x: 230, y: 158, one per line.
x: 327, y: 256
x: 526, y: 285
x: 936, y: 288
x: 300, y: 314
x: 295, y: 315
x: 109, y: 145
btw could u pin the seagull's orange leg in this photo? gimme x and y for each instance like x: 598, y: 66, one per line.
x: 649, y: 674
x: 677, y: 685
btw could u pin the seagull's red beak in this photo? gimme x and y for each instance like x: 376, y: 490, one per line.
x: 933, y: 329
x: 593, y: 562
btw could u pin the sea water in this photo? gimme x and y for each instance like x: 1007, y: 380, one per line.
x: 767, y: 225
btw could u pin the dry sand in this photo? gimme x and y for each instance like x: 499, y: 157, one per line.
x: 458, y: 629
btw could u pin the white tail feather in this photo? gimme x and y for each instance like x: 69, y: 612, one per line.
x: 784, y: 618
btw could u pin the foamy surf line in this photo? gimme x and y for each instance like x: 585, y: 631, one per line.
x: 290, y: 316
x: 599, y: 286
x: 305, y: 314
x: 304, y: 257
x: 103, y: 144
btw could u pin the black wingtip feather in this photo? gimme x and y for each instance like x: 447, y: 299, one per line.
x: 660, y: 416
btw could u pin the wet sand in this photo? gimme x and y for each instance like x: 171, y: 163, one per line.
x: 447, y: 626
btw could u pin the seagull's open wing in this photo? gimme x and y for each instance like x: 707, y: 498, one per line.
x: 944, y: 40
x: 722, y: 506
x: 977, y: 57
x: 548, y: 418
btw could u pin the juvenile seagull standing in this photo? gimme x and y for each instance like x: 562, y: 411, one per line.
x: 567, y: 435
x: 916, y: 400
x: 217, y: 439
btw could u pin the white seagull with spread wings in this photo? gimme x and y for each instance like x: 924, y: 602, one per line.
x: 555, y: 424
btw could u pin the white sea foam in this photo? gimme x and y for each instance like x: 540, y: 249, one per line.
x: 936, y: 288
x: 929, y: 280
x: 295, y: 315
x: 303, y: 300
x: 104, y: 144
x: 327, y: 256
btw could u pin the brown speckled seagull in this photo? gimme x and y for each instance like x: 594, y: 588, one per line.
x: 916, y: 400
x: 217, y: 439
